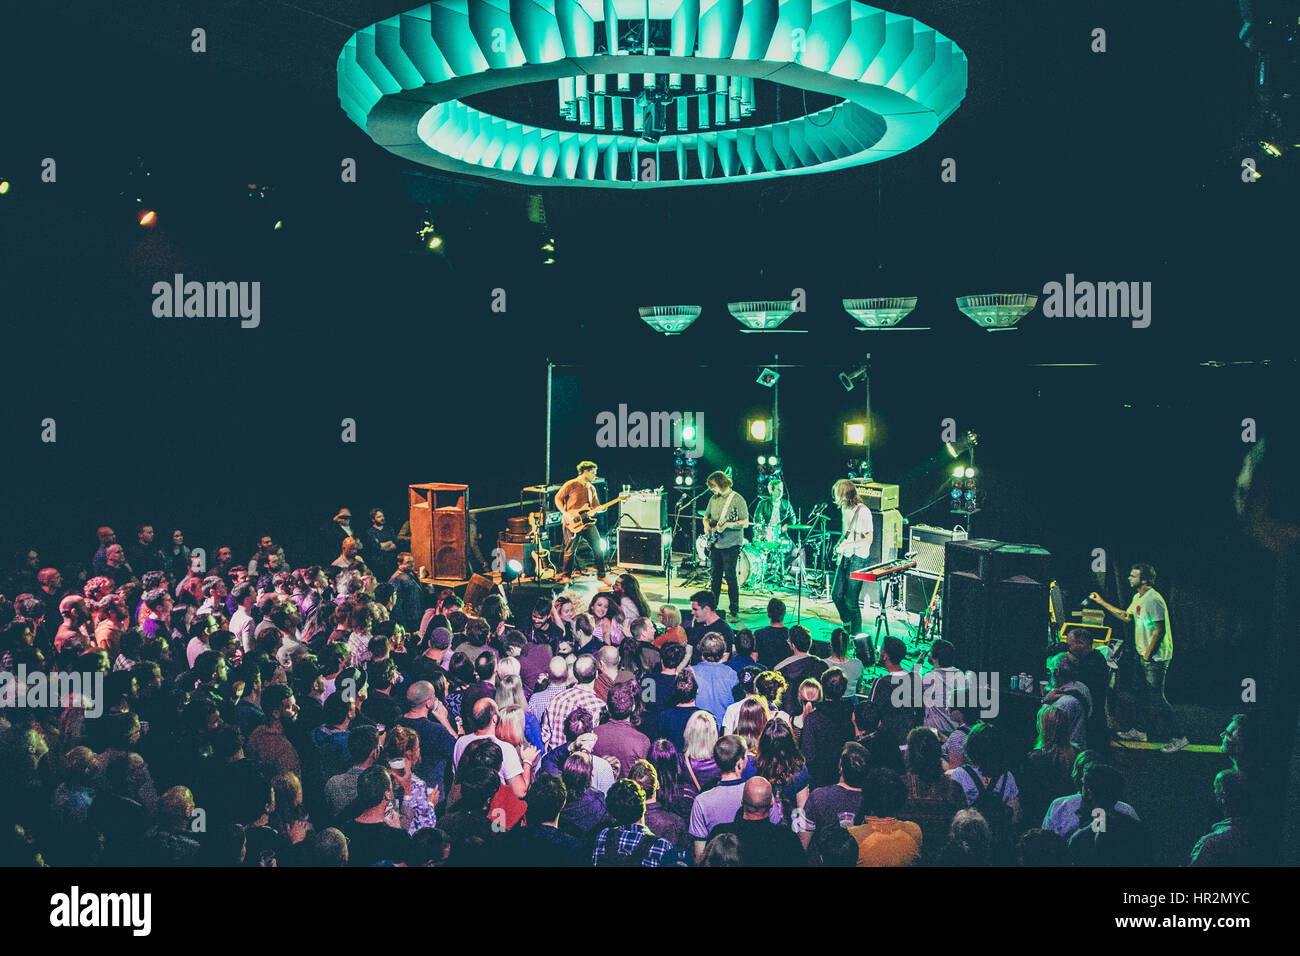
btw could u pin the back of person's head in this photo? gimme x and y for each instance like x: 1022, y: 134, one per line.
x: 362, y: 741
x: 546, y: 796
x: 644, y: 773
x: 1232, y: 793
x: 839, y: 643
x: 894, y: 648
x: 1042, y: 848
x: 485, y: 665
x: 883, y: 794
x: 373, y: 786
x: 985, y: 749
x: 625, y: 802
x: 478, y: 785
x: 672, y: 654
x: 585, y: 670
x: 622, y: 700
x: 700, y: 735
x: 944, y: 653
x: 577, y: 774
x: 329, y: 848
x: 728, y: 752
x: 924, y: 754
x: 607, y: 657
x: 480, y: 716
x: 686, y: 686
x: 969, y: 839
x: 481, y: 753
x: 712, y: 647
x: 723, y: 850
x: 776, y: 610
x: 771, y: 686
x: 855, y: 764
x: 579, y: 722
x: 834, y: 684
x: 833, y: 846
x: 744, y: 640
x: 1103, y: 786
x: 336, y: 710
x: 800, y: 639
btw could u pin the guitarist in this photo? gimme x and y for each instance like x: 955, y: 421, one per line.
x: 725, y: 521
x: 575, y: 500
x: 854, y: 552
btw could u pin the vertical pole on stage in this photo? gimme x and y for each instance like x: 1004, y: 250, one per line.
x: 546, y: 480
x: 776, y: 410
x: 866, y: 381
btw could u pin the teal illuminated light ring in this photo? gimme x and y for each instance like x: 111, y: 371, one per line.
x: 403, y: 81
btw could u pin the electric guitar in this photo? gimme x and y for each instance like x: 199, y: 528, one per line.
x: 584, y: 519
x: 542, y: 569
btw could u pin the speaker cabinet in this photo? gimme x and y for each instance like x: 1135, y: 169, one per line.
x: 521, y: 551
x: 918, y: 589
x: 966, y: 619
x: 642, y: 550
x: 973, y: 556
x: 886, y: 535
x: 440, y: 529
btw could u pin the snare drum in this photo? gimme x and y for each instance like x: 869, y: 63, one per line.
x: 766, y: 534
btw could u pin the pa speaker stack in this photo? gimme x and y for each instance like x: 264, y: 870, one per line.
x: 996, y: 607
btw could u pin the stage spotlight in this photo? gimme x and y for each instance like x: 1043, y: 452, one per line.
x: 772, y: 462
x: 970, y: 472
x: 849, y: 379
x: 513, y: 568
x: 688, y: 433
x: 279, y: 224
x: 768, y: 377
x: 855, y: 433
x: 147, y: 218
x: 604, y: 546
x: 962, y: 445
x: 762, y: 460
x: 690, y: 480
x: 680, y: 480
x: 429, y: 236
x: 760, y: 429
x: 958, y: 472
x: 4, y: 186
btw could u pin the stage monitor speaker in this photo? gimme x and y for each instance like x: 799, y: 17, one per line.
x: 972, y: 556
x: 1100, y: 633
x: 918, y: 590
x: 928, y: 543
x: 641, y: 550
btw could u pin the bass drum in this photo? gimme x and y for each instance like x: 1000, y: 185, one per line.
x: 751, y: 560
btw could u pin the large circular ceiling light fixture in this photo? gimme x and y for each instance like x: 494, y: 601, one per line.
x: 650, y: 93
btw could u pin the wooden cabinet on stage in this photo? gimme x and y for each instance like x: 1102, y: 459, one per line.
x: 440, y: 530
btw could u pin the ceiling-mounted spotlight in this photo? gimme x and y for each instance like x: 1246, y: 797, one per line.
x: 997, y: 312
x: 849, y: 379
x: 962, y: 445
x: 768, y: 377
x: 669, y: 319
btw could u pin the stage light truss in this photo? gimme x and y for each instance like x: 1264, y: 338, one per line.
x: 999, y: 311
x: 880, y: 313
x: 669, y: 319
x: 695, y: 66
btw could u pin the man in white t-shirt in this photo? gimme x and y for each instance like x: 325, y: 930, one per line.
x: 854, y: 553
x: 1153, y: 638
x: 481, y: 723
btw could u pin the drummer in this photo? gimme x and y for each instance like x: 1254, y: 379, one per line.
x: 773, y: 514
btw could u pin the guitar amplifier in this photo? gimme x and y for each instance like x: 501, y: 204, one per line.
x: 928, y: 542
x: 641, y: 550
x: 876, y: 496
x: 644, y: 510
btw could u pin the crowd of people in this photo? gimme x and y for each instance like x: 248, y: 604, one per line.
x: 347, y: 714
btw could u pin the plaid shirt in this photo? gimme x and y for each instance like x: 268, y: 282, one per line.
x: 561, y: 706
x: 628, y: 840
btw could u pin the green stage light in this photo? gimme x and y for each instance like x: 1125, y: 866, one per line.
x: 855, y: 433
x: 4, y: 186
x: 760, y: 429
x: 970, y: 472
x: 762, y: 460
x: 959, y: 471
x: 688, y: 433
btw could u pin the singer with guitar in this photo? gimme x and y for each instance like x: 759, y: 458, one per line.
x: 725, y: 522
x: 577, y: 501
x: 854, y: 553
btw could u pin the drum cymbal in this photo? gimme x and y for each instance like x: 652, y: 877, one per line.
x: 799, y: 527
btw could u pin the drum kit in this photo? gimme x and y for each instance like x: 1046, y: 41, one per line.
x: 794, y: 556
